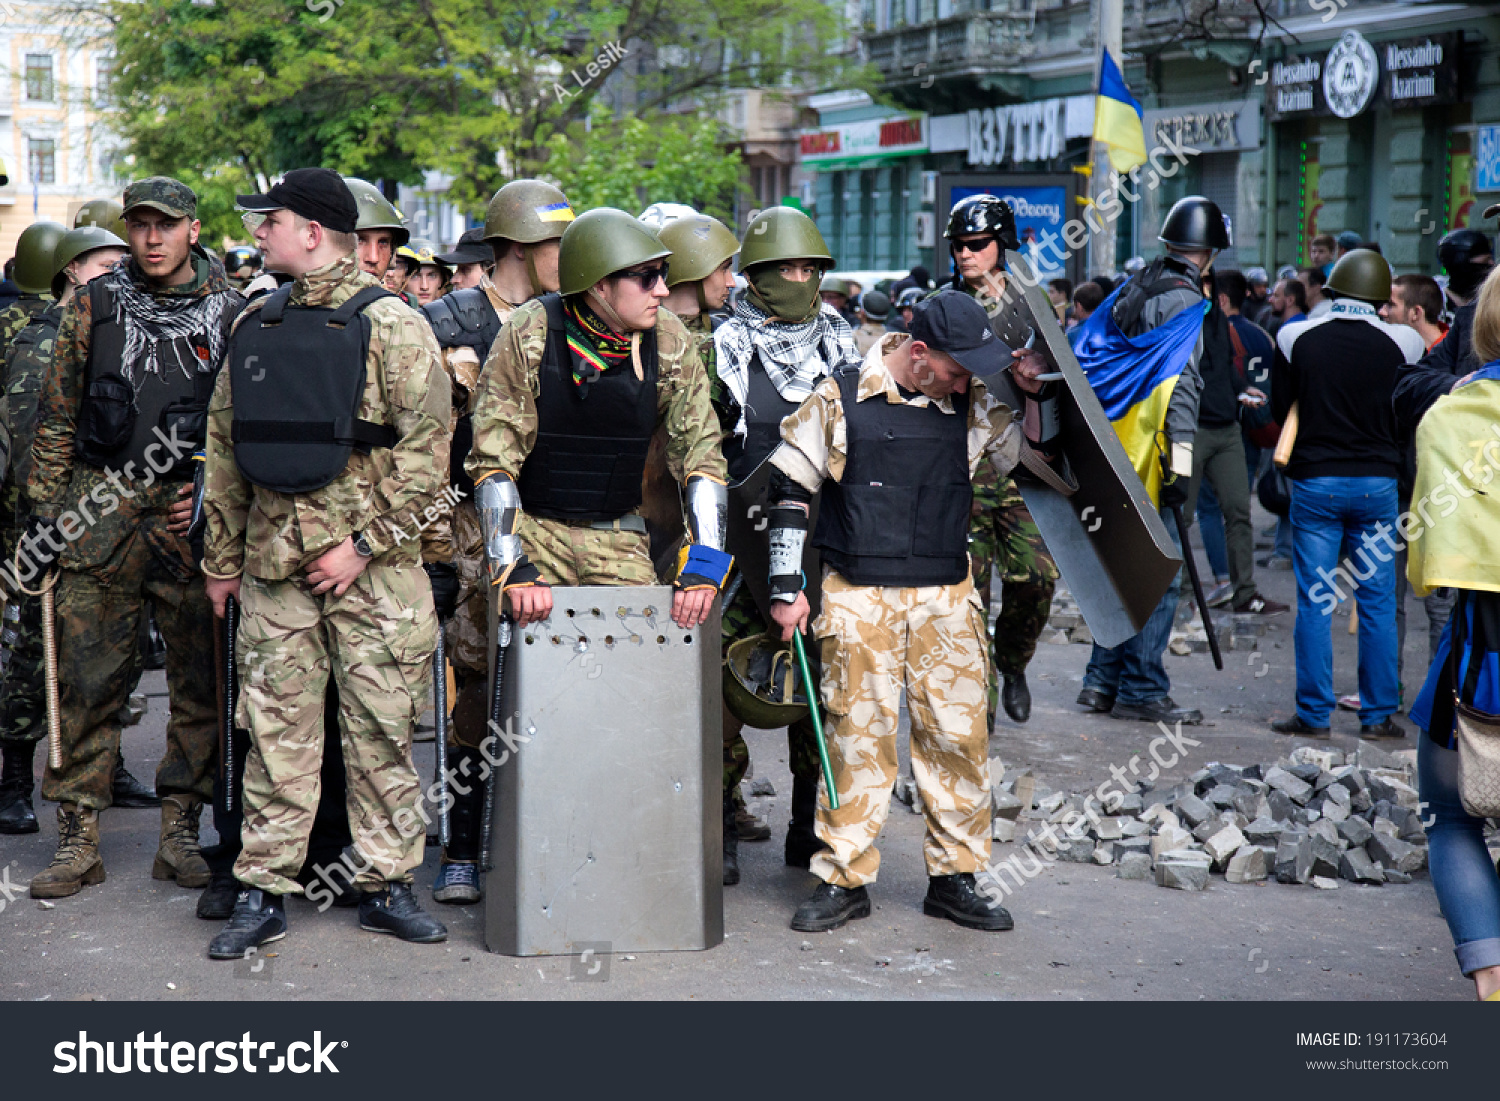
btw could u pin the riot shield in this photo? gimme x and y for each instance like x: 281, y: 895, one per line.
x: 749, y: 541
x: 1108, y: 540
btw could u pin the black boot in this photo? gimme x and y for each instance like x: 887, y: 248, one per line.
x: 801, y: 839
x: 258, y: 919
x: 954, y: 897
x: 16, y: 813
x: 130, y: 793
x: 829, y: 907
x: 1016, y: 696
x: 731, y: 843
x: 395, y: 910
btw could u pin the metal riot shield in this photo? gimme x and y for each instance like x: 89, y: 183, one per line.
x: 608, y: 821
x: 1108, y: 540
x: 749, y: 542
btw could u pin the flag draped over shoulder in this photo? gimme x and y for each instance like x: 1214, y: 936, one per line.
x: 1118, y: 118
x: 1133, y: 377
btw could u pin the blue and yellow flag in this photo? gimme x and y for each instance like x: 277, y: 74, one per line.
x: 1133, y: 378
x: 1118, y: 118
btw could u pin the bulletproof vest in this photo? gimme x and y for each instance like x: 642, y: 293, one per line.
x: 1165, y: 273
x: 118, y: 422
x: 900, y: 514
x: 464, y: 318
x: 591, y: 442
x: 25, y: 367
x: 298, y: 383
x: 765, y: 409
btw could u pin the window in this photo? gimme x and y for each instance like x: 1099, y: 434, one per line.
x: 41, y: 160
x: 39, y: 77
x: 104, y: 77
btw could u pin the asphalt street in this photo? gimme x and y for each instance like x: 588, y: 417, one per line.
x: 1081, y: 934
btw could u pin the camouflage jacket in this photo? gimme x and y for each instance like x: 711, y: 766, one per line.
x: 390, y: 495
x: 111, y: 510
x: 504, y: 405
x: 18, y: 315
x: 27, y: 359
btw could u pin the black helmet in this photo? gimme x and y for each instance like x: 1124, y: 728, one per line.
x: 1461, y: 246
x: 910, y: 297
x: 1195, y: 223
x: 242, y: 256
x: 984, y: 214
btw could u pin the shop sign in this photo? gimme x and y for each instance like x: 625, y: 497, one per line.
x: 1407, y: 72
x: 900, y: 136
x: 1224, y: 127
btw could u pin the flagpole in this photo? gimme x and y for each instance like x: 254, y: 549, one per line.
x: 1111, y: 38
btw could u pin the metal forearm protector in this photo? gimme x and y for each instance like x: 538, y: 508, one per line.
x: 788, y: 524
x: 708, y: 510
x: 498, y: 502
x: 1043, y: 417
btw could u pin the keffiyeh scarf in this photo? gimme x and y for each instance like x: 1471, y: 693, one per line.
x: 154, y: 324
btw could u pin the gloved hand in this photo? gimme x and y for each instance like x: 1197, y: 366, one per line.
x: 41, y: 540
x: 1174, y: 491
x: 444, y: 579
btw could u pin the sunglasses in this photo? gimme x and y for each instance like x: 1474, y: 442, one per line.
x: 252, y: 220
x: 646, y: 277
x: 975, y: 247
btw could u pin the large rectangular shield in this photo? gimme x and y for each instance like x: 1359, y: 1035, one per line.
x: 1108, y: 540
x: 608, y: 823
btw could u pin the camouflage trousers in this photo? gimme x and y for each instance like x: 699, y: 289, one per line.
x: 98, y: 663
x: 875, y: 641
x: 23, y: 705
x: 466, y: 635
x: 376, y: 641
x: 1002, y: 531
x: 742, y: 619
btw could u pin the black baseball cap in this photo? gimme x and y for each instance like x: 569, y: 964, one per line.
x: 471, y: 249
x: 955, y: 324
x: 318, y: 194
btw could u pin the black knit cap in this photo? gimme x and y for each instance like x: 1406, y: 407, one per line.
x: 318, y: 194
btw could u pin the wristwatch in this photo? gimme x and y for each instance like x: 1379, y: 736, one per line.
x: 362, y: 546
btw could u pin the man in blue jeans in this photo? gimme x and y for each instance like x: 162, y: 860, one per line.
x: 1340, y: 371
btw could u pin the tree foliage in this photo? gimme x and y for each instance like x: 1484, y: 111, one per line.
x: 480, y: 90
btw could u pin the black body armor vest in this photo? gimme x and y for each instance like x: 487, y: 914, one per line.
x: 1165, y: 273
x: 900, y: 516
x: 591, y: 444
x: 463, y: 318
x: 297, y: 386
x: 765, y: 409
x: 118, y: 423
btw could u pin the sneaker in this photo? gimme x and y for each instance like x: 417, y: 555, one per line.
x: 395, y: 911
x: 954, y: 897
x: 829, y: 907
x: 1349, y: 703
x: 457, y: 883
x: 1259, y: 605
x: 258, y: 919
x: 216, y: 903
x: 1275, y: 562
x: 1164, y: 710
x: 1297, y: 728
x: 1220, y: 594
x: 1390, y: 730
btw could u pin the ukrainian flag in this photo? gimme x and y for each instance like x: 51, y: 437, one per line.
x: 1117, y: 118
x: 1133, y: 378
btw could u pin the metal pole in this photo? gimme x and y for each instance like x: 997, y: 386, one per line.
x: 49, y: 655
x: 440, y: 720
x: 809, y: 686
x: 1111, y: 38
x: 1192, y: 571
x: 231, y: 699
x: 497, y: 692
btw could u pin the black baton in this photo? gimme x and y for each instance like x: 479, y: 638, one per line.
x: 487, y: 819
x: 1192, y: 569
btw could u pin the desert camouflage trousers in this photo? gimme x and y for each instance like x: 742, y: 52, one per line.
x: 875, y: 641
x: 98, y: 662
x: 376, y: 641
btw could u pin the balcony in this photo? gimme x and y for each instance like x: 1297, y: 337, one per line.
x: 1203, y: 23
x: 960, y: 48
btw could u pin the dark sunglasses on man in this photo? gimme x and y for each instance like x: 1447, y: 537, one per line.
x: 646, y: 277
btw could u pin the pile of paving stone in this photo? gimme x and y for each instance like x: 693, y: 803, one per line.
x: 1315, y: 817
x: 1235, y: 632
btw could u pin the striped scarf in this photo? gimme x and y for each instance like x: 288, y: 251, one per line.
x: 592, y: 342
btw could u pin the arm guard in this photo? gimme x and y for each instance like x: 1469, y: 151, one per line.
x: 788, y: 525
x: 1042, y: 421
x: 498, y: 503
x: 708, y: 511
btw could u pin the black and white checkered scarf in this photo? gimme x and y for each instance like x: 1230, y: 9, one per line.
x: 158, y: 327
x: 795, y: 357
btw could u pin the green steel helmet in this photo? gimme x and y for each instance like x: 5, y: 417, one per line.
x: 74, y: 244
x: 830, y: 285
x: 699, y: 245
x: 376, y: 211
x: 34, y: 250
x: 782, y: 233
x: 1363, y: 274
x: 102, y: 212
x: 599, y: 243
x: 528, y: 211
x: 761, y: 686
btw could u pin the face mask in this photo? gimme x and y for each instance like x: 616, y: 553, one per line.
x: 1464, y: 279
x: 783, y: 298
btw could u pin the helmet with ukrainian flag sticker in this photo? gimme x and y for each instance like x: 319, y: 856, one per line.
x: 527, y: 211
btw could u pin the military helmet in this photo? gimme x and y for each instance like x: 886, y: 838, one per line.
x: 831, y: 285
x: 75, y: 243
x: 699, y: 245
x: 782, y: 233
x: 102, y: 212
x: 1461, y: 246
x: 658, y: 216
x: 1363, y: 274
x: 376, y: 211
x: 528, y: 211
x: 599, y: 243
x: 983, y: 214
x: 34, y: 251
x: 761, y: 685
x: 909, y: 297
x: 876, y: 305
x: 1195, y: 223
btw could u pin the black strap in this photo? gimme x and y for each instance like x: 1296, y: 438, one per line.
x: 274, y: 305
x: 347, y: 312
x: 347, y: 431
x: 556, y: 319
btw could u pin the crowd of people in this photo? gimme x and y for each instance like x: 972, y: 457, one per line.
x: 309, y: 456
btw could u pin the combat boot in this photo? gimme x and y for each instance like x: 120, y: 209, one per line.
x: 16, y: 815
x: 77, y: 863
x: 801, y: 839
x: 731, y: 843
x: 395, y: 910
x: 179, y: 856
x: 955, y: 898
x: 128, y: 792
x: 258, y: 919
x: 829, y: 907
